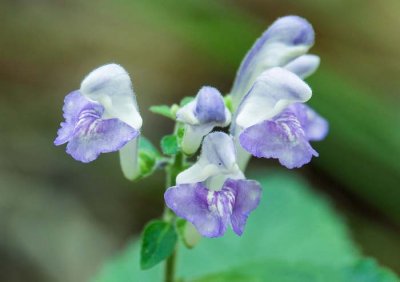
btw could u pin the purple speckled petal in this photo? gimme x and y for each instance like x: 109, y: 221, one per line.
x: 207, y: 210
x: 98, y: 136
x: 247, y: 198
x: 74, y: 103
x: 211, y: 212
x: 281, y: 138
x: 286, y: 39
x: 210, y: 106
x: 315, y: 127
x: 86, y: 133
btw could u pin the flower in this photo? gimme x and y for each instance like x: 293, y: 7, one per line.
x: 283, y: 44
x: 268, y: 82
x: 200, y: 116
x: 213, y: 193
x: 272, y: 122
x: 101, y: 117
x: 286, y: 137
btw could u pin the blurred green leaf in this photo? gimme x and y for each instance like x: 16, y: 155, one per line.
x: 146, y: 145
x: 364, y: 270
x: 169, y: 144
x: 158, y: 242
x: 163, y: 110
x: 148, y: 156
x: 186, y: 100
x: 362, y: 149
x: 180, y: 133
x: 233, y: 276
x: 166, y: 111
x: 367, y: 270
x: 292, y: 225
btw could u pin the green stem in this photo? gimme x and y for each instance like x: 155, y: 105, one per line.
x: 172, y: 171
x: 170, y: 267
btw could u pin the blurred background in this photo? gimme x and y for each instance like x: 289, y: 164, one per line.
x: 60, y: 219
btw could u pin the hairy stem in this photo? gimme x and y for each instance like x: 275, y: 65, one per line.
x: 172, y: 171
x: 170, y: 267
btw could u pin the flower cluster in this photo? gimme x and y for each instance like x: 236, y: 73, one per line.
x: 270, y: 120
x: 265, y: 111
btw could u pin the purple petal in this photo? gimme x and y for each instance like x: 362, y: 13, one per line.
x: 206, y: 210
x: 315, y: 127
x: 200, y: 116
x: 281, y: 138
x: 247, y: 198
x: 210, y: 106
x: 98, y: 136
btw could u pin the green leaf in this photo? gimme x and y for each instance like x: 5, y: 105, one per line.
x: 163, y: 110
x: 169, y: 144
x: 148, y: 157
x: 158, y: 242
x: 367, y: 270
x: 364, y: 270
x: 292, y: 224
x: 186, y: 101
x: 179, y: 133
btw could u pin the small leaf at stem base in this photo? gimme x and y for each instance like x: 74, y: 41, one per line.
x: 158, y: 242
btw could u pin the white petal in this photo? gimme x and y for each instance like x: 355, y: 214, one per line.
x: 217, y: 158
x: 243, y: 156
x: 186, y: 114
x: 193, y: 136
x: 274, y: 90
x: 111, y: 86
x: 304, y: 66
x: 128, y: 156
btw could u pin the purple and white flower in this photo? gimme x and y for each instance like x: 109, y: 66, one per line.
x: 283, y: 44
x: 213, y: 193
x: 101, y: 117
x: 200, y: 116
x: 272, y: 122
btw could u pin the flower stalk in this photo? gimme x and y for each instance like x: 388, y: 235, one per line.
x: 172, y: 171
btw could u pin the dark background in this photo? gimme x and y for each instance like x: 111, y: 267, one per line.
x: 60, y: 219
